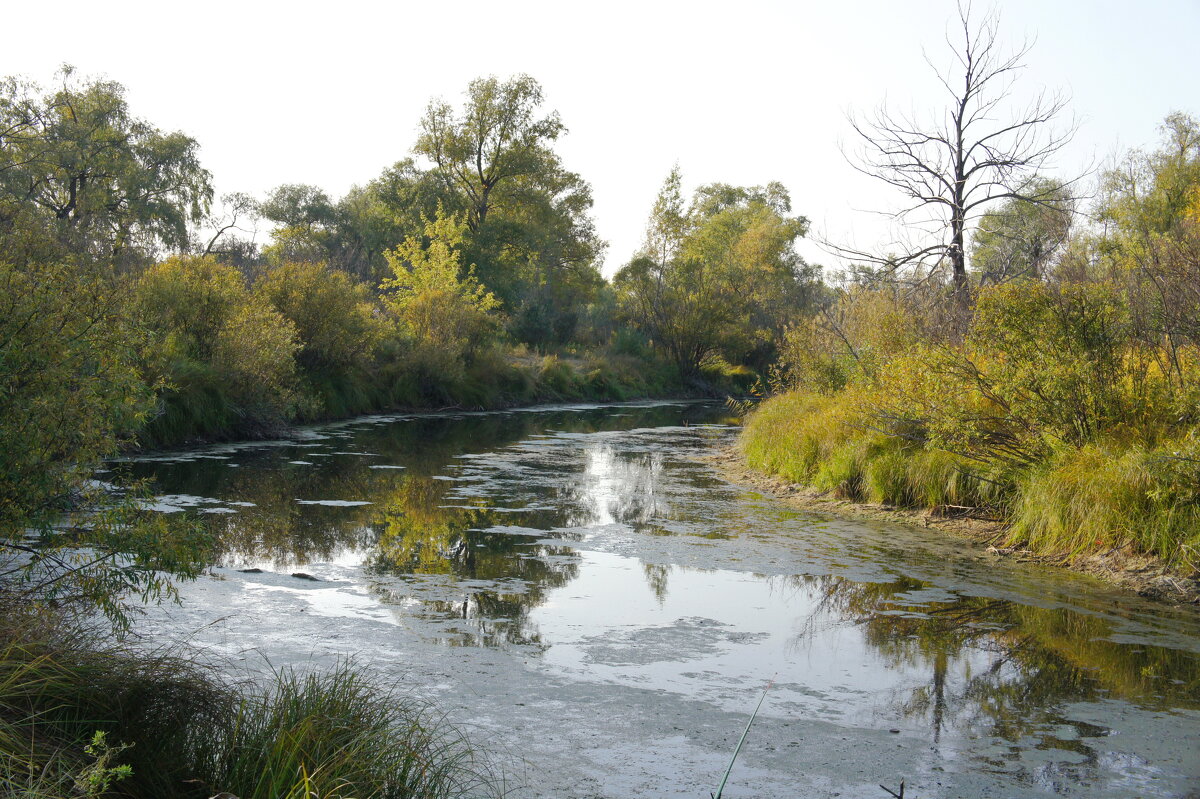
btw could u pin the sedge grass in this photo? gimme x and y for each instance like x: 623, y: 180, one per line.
x: 182, y: 730
x: 1105, y: 495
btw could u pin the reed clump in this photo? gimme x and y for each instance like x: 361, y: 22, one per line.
x: 84, y: 715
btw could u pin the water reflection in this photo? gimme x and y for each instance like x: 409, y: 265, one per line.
x: 995, y: 668
x: 615, y: 488
x: 500, y: 574
x: 592, y: 540
x: 466, y: 498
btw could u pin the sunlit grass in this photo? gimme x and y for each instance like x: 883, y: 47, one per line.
x: 1080, y: 500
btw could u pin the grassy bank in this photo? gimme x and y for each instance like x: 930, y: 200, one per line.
x: 1073, y: 502
x: 81, y: 715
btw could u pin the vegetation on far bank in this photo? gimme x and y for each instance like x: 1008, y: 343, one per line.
x: 135, y: 311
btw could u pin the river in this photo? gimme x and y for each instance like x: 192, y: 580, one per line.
x: 587, y: 598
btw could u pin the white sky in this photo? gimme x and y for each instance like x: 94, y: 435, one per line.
x: 741, y: 92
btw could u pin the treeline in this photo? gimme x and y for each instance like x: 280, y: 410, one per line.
x: 1063, y: 394
x: 134, y: 314
x: 472, y: 280
x: 137, y: 311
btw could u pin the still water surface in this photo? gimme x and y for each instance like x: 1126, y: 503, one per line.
x: 587, y: 597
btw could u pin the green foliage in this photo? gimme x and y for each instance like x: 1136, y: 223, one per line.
x: 1106, y: 496
x: 848, y: 340
x: 717, y: 279
x: 224, y: 358
x: 447, y: 314
x: 1022, y: 238
x: 1070, y: 402
x: 529, y: 232
x: 338, y: 328
x: 70, y: 395
x: 109, y: 180
x: 96, y: 777
x: 1051, y: 412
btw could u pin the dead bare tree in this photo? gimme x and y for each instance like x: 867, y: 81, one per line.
x: 975, y: 151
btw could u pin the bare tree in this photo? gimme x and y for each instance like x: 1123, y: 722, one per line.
x: 977, y: 150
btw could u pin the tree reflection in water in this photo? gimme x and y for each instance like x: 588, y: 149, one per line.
x: 421, y: 533
x: 1035, y: 661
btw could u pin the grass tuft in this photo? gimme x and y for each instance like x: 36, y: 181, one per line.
x: 79, y: 710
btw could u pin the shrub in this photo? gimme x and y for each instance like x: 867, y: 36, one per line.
x: 224, y: 360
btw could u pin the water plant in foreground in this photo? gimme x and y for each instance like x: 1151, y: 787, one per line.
x: 82, y: 714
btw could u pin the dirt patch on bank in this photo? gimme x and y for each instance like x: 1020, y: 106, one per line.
x: 1142, y: 574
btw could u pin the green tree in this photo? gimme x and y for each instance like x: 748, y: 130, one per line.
x: 528, y: 228
x: 70, y: 394
x: 719, y: 278
x: 333, y: 316
x: 374, y: 218
x: 108, y: 179
x: 1021, y: 238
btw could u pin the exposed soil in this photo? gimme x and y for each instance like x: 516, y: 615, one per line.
x: 1143, y: 574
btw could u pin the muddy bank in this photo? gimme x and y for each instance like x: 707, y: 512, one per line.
x: 1145, y: 575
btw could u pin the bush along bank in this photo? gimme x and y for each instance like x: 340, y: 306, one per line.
x: 1050, y: 415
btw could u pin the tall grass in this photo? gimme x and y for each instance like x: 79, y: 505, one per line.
x: 825, y: 442
x: 1105, y: 495
x: 182, y: 731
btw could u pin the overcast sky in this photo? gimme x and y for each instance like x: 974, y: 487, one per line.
x: 741, y: 92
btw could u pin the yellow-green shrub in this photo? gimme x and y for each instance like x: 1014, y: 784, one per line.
x: 447, y: 315
x: 224, y: 360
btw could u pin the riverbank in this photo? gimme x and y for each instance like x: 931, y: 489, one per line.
x: 511, y: 381
x: 1143, y: 574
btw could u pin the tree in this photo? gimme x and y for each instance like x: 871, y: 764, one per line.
x: 1151, y: 244
x: 70, y: 394
x: 954, y: 165
x: 717, y: 278
x: 448, y: 314
x: 527, y: 224
x: 107, y: 178
x: 497, y: 140
x: 1021, y: 239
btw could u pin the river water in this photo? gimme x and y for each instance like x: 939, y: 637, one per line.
x: 580, y: 592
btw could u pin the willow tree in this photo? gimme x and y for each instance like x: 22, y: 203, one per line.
x: 529, y: 229
x: 107, y: 179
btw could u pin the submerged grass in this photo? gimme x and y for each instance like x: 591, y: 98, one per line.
x: 178, y: 729
x: 1080, y: 500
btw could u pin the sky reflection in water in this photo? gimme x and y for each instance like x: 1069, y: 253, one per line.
x: 591, y: 539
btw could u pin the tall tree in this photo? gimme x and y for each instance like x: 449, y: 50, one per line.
x: 496, y: 140
x: 527, y: 217
x: 719, y: 277
x: 1020, y: 239
x: 974, y: 152
x: 109, y: 179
